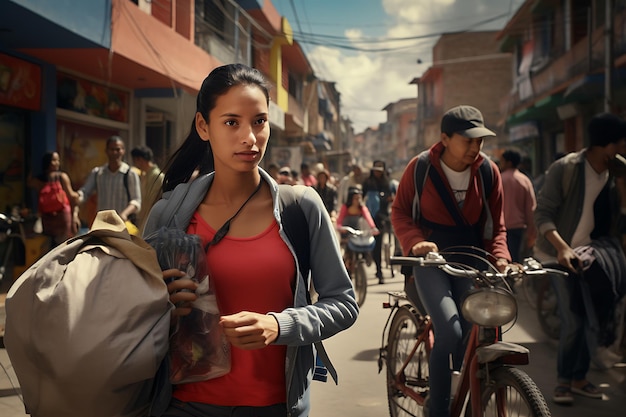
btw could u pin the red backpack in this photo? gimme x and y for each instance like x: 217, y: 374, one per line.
x: 52, y: 198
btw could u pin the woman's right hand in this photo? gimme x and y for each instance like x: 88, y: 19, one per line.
x: 423, y: 247
x: 182, y: 291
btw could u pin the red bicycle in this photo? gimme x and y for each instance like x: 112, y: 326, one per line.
x: 489, y: 383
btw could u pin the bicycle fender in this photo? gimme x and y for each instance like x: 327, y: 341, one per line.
x: 513, y: 353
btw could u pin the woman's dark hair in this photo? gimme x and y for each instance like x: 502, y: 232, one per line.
x: 352, y: 191
x: 195, y: 153
x: 46, y: 159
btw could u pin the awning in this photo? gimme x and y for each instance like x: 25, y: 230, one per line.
x: 322, y: 141
x: 591, y: 86
x: 542, y: 109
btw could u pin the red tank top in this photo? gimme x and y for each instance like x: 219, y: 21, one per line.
x: 254, y: 274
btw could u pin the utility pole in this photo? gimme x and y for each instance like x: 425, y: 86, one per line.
x: 608, y: 55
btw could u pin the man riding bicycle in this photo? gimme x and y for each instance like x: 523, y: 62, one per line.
x: 460, y: 204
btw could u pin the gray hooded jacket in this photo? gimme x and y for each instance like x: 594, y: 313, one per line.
x: 303, y: 325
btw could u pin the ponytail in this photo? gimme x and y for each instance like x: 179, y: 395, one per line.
x: 194, y: 154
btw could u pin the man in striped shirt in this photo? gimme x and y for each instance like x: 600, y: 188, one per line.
x: 116, y: 185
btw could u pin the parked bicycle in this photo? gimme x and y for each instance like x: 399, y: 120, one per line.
x: 12, y: 247
x: 357, y: 254
x: 540, y: 296
x: 489, y: 383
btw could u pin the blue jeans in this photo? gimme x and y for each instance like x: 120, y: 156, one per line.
x: 514, y: 240
x: 441, y: 295
x: 574, y: 340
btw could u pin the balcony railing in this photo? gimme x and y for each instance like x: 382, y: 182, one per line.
x: 574, y: 63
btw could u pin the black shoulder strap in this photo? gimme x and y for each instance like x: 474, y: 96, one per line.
x: 296, y: 226
x: 297, y: 230
x: 126, y: 186
x: 486, y: 173
x: 422, y: 166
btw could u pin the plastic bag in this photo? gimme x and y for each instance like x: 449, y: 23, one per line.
x: 198, y: 348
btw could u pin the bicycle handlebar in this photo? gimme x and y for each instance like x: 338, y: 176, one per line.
x: 459, y: 269
x: 352, y: 231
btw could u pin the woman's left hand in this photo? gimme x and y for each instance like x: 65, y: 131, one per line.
x: 248, y: 330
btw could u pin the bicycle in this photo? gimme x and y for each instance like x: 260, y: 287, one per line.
x: 12, y: 247
x: 389, y: 241
x: 357, y: 249
x: 541, y: 297
x: 489, y: 382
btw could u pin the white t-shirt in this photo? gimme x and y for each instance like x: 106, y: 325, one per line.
x: 594, y: 183
x: 459, y: 181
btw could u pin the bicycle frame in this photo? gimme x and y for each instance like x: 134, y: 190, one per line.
x: 489, y: 373
x: 355, y: 259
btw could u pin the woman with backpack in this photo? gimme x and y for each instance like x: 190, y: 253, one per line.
x: 448, y: 196
x: 260, y: 283
x: 56, y: 200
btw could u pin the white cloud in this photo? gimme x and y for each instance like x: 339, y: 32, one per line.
x: 369, y: 81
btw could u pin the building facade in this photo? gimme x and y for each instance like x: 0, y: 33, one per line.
x: 569, y: 62
x: 132, y: 68
x: 467, y: 68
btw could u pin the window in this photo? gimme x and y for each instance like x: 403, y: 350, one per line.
x: 580, y: 12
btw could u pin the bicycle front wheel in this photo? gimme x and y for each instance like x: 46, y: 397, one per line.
x: 407, y: 390
x: 511, y: 392
x: 360, y: 282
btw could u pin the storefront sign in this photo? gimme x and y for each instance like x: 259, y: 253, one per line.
x: 20, y: 83
x: 524, y: 131
x: 90, y: 98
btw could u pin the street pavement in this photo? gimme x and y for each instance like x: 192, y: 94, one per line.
x: 362, y: 392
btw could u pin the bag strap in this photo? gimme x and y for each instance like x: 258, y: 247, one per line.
x: 126, y: 186
x: 296, y: 228
x: 420, y: 173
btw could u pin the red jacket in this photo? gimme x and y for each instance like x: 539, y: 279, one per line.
x: 433, y: 208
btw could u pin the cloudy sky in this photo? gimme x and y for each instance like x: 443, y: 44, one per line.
x: 370, y: 48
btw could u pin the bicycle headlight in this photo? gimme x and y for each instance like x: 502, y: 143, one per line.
x: 489, y: 307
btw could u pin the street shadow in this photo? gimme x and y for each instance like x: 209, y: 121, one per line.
x: 370, y: 355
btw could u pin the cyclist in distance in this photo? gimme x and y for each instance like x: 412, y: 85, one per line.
x: 452, y: 209
x: 260, y: 282
x: 353, y: 210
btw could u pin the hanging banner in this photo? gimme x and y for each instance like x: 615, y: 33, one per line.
x: 91, y: 98
x: 20, y: 83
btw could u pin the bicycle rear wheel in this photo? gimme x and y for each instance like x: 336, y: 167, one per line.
x: 403, y: 333
x: 360, y: 282
x: 511, y: 392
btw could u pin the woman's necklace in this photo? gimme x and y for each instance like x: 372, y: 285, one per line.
x: 222, y: 231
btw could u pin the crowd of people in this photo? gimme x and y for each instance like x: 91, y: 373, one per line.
x: 116, y: 185
x: 576, y: 220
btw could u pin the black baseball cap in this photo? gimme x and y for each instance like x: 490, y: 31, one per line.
x: 465, y: 120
